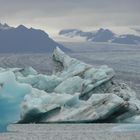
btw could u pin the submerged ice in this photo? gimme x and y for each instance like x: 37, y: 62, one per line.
x: 75, y: 92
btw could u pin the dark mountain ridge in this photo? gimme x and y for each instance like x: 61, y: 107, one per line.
x: 22, y: 39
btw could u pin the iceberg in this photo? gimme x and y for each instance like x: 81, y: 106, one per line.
x: 75, y: 92
x: 11, y: 95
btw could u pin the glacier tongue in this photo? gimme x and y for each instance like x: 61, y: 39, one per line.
x: 76, y: 92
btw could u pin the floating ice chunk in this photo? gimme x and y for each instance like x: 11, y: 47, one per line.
x: 133, y: 119
x: 90, y: 111
x: 123, y: 91
x: 10, y: 88
x: 44, y: 102
x: 11, y: 96
x: 65, y: 66
x: 42, y: 82
x: 70, y: 86
x: 28, y: 71
x: 99, y: 74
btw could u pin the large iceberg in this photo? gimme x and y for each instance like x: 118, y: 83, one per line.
x: 75, y: 92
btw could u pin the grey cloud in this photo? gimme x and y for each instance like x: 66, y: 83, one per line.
x: 60, y: 14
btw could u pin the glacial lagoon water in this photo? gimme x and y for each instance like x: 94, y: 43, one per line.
x: 79, y: 131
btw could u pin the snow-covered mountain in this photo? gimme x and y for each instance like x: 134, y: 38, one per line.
x: 22, y: 39
x: 136, y: 29
x: 4, y: 26
x: 101, y: 35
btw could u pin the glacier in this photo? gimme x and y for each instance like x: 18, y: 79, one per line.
x: 75, y: 92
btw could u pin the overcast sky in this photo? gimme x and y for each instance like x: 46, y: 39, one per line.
x: 54, y: 15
